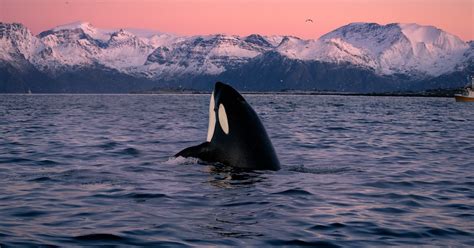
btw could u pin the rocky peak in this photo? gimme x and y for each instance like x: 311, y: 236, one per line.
x: 258, y: 40
x: 13, y: 31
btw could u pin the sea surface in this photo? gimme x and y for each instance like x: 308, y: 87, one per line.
x: 357, y: 171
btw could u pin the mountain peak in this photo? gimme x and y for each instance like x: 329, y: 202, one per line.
x: 15, y: 38
x: 143, y: 33
x: 420, y: 33
x: 121, y: 34
x: 75, y: 25
x: 258, y: 40
x: 6, y: 29
x: 12, y: 25
x: 412, y: 50
x: 400, y: 47
x: 431, y: 35
x: 85, y: 27
x: 361, y: 30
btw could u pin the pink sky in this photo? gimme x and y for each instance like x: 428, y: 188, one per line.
x: 241, y: 17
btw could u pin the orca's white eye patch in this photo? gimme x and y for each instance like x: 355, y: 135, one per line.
x: 212, y: 119
x: 223, y: 119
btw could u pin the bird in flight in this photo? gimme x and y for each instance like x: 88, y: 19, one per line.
x: 309, y: 20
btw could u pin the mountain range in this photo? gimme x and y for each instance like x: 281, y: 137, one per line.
x: 358, y: 57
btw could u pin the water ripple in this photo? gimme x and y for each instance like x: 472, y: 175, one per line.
x: 97, y: 170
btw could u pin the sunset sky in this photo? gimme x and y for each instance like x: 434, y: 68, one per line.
x: 241, y: 17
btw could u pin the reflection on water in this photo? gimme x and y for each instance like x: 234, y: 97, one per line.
x: 357, y: 171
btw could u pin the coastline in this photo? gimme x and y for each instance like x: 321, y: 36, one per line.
x: 432, y: 93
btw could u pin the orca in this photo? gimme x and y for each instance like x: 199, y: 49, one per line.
x: 236, y: 136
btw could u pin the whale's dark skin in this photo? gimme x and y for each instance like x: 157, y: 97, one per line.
x: 246, y: 145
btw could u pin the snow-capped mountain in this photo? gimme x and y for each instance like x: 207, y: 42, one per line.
x: 387, y: 49
x: 17, y: 43
x: 81, y: 45
x: 398, y: 48
x: 380, y: 55
x: 210, y: 55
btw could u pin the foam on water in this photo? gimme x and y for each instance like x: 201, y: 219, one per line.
x: 181, y: 161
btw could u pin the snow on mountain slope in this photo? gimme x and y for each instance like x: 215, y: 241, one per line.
x: 149, y: 37
x: 142, y: 33
x: 274, y: 40
x: 158, y: 40
x: 124, y: 50
x: 371, y: 37
x: 80, y: 44
x: 17, y: 42
x: 294, y: 48
x: 136, y: 51
x: 395, y: 48
x: 334, y: 50
x: 67, y: 48
x: 210, y: 54
x: 87, y: 28
x: 432, y: 36
x: 469, y: 54
x: 467, y: 57
x: 410, y: 49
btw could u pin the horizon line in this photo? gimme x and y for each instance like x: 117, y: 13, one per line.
x: 114, y: 29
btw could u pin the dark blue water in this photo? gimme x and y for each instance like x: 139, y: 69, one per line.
x: 357, y: 171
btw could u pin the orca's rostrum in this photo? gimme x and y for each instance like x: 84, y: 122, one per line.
x: 236, y: 136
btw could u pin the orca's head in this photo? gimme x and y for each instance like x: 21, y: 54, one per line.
x: 225, y: 101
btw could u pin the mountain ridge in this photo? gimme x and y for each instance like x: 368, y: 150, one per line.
x: 382, y: 55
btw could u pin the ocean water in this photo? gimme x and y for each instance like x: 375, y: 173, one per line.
x: 79, y: 170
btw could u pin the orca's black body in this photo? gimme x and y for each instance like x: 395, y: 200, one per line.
x: 236, y: 137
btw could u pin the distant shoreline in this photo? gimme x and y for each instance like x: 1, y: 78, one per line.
x: 444, y: 94
x: 252, y: 93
